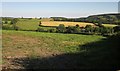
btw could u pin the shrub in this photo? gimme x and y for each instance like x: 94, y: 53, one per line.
x: 96, y: 29
x: 89, y: 28
x: 106, y: 30
x: 40, y: 30
x: 7, y: 27
x: 51, y: 30
x: 116, y: 28
x: 77, y: 25
x: 40, y: 23
x: 6, y: 22
x: 72, y: 29
x: 61, y: 28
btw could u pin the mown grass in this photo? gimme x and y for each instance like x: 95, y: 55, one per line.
x: 26, y: 24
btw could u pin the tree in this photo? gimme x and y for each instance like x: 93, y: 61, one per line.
x: 89, y: 28
x: 96, y: 29
x: 72, y: 29
x: 6, y: 22
x: 40, y: 18
x: 40, y: 23
x: 100, y: 24
x: 39, y: 29
x: 61, y: 28
x: 116, y: 28
x: 106, y: 30
x: 77, y: 25
x: 14, y: 21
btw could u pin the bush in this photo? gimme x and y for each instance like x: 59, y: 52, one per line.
x: 61, y: 28
x: 41, y: 30
x: 89, y: 28
x: 77, y: 25
x: 106, y: 30
x: 7, y: 27
x: 16, y: 27
x: 116, y: 29
x: 6, y: 22
x: 96, y: 29
x: 72, y: 29
x: 51, y: 30
x: 40, y: 23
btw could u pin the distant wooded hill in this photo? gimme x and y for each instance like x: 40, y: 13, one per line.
x: 102, y: 18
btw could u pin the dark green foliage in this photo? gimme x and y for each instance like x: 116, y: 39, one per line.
x: 106, y: 30
x: 96, y: 29
x: 104, y: 18
x: 40, y: 23
x: 6, y: 22
x: 116, y: 28
x: 52, y: 30
x: 15, y: 27
x: 41, y: 30
x: 89, y: 28
x: 72, y: 29
x: 7, y: 27
x: 14, y: 21
x: 100, y: 24
x: 61, y: 28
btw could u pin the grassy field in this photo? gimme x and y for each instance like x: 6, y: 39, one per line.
x: 109, y: 25
x: 37, y: 50
x: 22, y: 44
x: 25, y: 24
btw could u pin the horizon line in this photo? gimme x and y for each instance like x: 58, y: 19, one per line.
x: 60, y: 16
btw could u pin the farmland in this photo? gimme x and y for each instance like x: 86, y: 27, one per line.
x: 32, y: 24
x: 56, y: 23
x: 36, y: 50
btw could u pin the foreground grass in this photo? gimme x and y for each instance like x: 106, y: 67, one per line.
x: 53, y: 40
x: 22, y: 49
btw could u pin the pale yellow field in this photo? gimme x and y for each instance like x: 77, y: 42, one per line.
x: 109, y: 25
x: 56, y: 23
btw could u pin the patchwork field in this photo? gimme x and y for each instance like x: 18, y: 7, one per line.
x: 36, y: 50
x: 33, y: 24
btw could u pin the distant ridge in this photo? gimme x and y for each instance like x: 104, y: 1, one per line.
x: 113, y: 18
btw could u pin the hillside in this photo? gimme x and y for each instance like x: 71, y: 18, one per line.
x: 101, y: 18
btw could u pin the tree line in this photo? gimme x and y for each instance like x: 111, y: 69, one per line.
x: 88, y: 29
x: 103, y: 18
